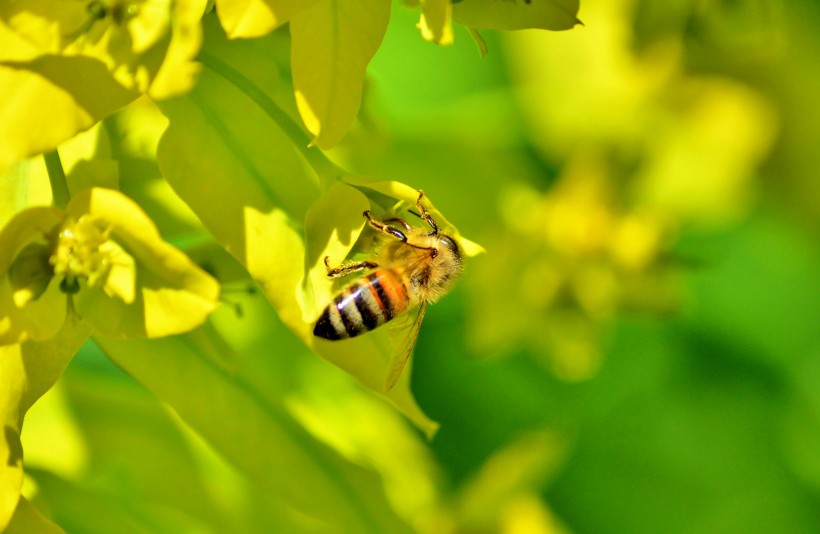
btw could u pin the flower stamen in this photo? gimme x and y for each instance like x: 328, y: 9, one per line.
x: 81, y: 255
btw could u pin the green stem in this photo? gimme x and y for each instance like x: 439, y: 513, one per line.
x: 56, y: 175
x: 324, y: 168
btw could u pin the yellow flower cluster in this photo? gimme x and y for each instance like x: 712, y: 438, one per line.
x: 103, y: 260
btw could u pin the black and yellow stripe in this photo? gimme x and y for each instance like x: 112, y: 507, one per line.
x: 362, y: 306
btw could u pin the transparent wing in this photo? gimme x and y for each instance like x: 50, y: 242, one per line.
x: 403, y: 351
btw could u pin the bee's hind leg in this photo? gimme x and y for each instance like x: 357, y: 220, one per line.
x: 346, y: 269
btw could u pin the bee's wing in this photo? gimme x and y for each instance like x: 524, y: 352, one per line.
x: 402, y: 353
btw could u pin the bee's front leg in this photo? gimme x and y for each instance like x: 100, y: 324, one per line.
x: 386, y: 228
x: 346, y: 269
x: 400, y: 221
x: 426, y: 214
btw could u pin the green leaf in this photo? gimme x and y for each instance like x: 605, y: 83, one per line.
x: 27, y: 520
x: 72, y: 504
x: 331, y: 45
x: 134, y: 442
x: 69, y: 94
x: 242, y: 426
x: 28, y: 370
x: 254, y: 18
x: 333, y: 406
x: 226, y: 156
x: 244, y: 179
x: 517, y: 14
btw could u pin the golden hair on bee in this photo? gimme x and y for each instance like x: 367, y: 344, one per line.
x: 412, y: 269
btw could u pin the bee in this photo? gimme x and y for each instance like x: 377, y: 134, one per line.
x: 411, y: 270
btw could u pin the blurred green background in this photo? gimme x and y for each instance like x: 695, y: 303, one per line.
x: 639, y: 349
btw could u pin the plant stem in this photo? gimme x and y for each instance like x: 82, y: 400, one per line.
x: 324, y: 168
x: 56, y: 176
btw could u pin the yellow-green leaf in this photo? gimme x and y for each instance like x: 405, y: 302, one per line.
x: 254, y: 18
x: 235, y: 419
x: 28, y: 370
x: 227, y: 160
x: 331, y: 44
x: 28, y: 520
x: 517, y: 14
x: 108, y: 424
x: 68, y: 94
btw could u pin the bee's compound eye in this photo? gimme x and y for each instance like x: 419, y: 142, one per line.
x: 449, y: 243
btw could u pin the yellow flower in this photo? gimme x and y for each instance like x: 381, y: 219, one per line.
x: 134, y: 39
x: 66, y: 64
x: 102, y: 259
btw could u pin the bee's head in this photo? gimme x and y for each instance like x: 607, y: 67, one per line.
x: 445, y: 242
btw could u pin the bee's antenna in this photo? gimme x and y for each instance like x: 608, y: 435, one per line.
x: 416, y: 214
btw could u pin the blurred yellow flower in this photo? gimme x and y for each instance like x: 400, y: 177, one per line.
x: 584, y: 256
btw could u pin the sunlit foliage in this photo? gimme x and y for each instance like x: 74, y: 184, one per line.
x: 636, y: 351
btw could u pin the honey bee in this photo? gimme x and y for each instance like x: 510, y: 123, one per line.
x: 412, y: 269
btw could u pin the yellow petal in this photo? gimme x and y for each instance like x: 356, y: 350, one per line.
x: 254, y: 18
x: 30, y: 272
x: 67, y: 94
x: 22, y: 315
x: 179, y: 70
x: 173, y: 295
x: 436, y: 22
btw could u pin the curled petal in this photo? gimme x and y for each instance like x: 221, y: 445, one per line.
x: 31, y: 305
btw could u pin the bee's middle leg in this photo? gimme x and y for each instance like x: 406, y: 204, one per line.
x: 346, y: 269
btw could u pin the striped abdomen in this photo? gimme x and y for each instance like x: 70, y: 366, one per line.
x: 365, y: 304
